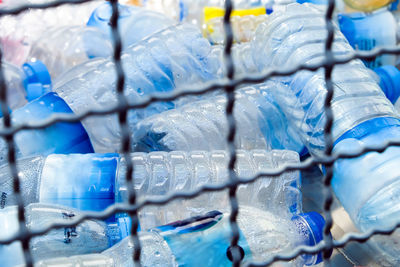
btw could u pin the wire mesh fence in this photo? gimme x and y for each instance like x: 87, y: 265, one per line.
x: 229, y: 84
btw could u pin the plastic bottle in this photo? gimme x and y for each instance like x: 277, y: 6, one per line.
x: 366, y: 31
x: 168, y: 60
x: 134, y: 23
x: 60, y: 179
x: 26, y: 83
x: 363, y: 116
x: 61, y: 48
x: 207, y: 15
x: 18, y: 32
x: 203, y: 125
x: 263, y: 234
x: 90, y: 236
x: 199, y: 126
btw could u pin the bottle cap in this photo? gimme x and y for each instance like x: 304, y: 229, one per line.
x: 38, y: 80
x: 389, y: 81
x: 37, y: 72
x: 315, y: 224
x: 34, y: 90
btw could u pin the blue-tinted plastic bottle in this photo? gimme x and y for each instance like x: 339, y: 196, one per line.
x: 368, y: 186
x: 366, y: 31
x: 90, y: 236
x: 262, y: 234
x: 61, y: 179
x: 166, y: 61
x: 26, y: 83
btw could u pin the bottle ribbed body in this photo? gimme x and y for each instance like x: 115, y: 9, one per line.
x: 203, y: 125
x: 298, y: 36
x: 169, y: 60
x: 160, y: 173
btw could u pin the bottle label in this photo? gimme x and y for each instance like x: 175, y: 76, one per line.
x: 81, y: 181
x: 208, y: 236
x: 61, y: 137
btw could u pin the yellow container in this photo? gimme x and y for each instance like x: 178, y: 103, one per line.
x: 367, y: 5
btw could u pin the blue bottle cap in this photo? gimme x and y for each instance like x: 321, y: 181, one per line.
x: 37, y: 72
x: 38, y: 80
x: 315, y: 224
x: 389, y: 81
x: 34, y: 90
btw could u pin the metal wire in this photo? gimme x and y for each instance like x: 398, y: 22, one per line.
x: 229, y: 85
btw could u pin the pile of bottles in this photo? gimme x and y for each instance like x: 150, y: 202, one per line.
x: 59, y: 62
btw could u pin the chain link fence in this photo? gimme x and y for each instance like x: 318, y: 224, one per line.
x: 228, y: 85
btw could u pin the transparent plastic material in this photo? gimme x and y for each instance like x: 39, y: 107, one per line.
x: 61, y: 48
x: 166, y: 61
x: 362, y: 117
x: 18, y: 32
x: 298, y: 37
x: 202, y: 125
x: 134, y: 24
x: 15, y: 79
x: 160, y: 173
x: 60, y: 179
x: 263, y: 234
x: 89, y: 236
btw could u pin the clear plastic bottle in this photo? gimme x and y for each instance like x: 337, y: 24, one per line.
x: 134, y: 23
x: 61, y: 48
x: 18, y: 33
x: 168, y: 60
x: 262, y: 234
x: 60, y: 179
x: 25, y: 83
x: 363, y: 116
x: 203, y: 126
x: 90, y: 236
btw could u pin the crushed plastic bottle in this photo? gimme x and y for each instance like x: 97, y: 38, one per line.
x: 60, y: 179
x: 18, y: 33
x: 203, y: 125
x: 168, y: 60
x: 25, y: 83
x: 363, y: 116
x: 262, y: 234
x: 61, y: 48
x: 90, y: 236
x: 134, y: 23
